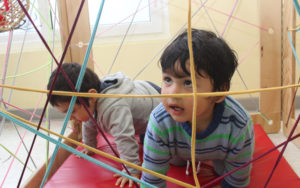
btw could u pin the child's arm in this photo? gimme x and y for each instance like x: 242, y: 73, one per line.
x: 240, y: 153
x: 119, y: 123
x: 156, y: 154
x: 89, y: 136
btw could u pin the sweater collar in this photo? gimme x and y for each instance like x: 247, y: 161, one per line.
x: 218, y: 111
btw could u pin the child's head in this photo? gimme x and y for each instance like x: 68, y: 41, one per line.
x: 72, y: 70
x: 212, y: 55
x: 90, y: 83
x: 215, y: 64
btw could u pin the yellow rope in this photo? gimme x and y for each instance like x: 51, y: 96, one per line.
x: 98, y: 95
x: 295, y: 28
x: 101, y: 152
x: 193, y: 76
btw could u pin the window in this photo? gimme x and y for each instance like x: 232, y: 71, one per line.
x: 151, y: 18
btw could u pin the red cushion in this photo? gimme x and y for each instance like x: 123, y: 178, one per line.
x: 78, y: 172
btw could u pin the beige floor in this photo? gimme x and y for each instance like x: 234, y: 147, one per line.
x: 9, y: 138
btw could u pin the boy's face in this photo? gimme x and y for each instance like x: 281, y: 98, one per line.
x: 79, y: 113
x: 181, y: 108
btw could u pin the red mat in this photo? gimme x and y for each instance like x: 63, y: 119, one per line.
x: 78, y: 172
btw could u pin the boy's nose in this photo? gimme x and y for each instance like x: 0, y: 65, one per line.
x: 175, y: 89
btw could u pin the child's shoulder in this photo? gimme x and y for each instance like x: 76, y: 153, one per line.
x: 236, y: 113
x: 160, y: 115
x: 233, y: 107
x: 159, y: 110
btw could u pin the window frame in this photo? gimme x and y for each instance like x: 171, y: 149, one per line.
x: 157, y: 27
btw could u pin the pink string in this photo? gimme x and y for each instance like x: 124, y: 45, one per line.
x: 248, y: 53
x: 118, y: 23
x: 243, y: 21
x: 6, y: 60
x: 27, y: 112
x: 229, y: 18
x: 22, y: 139
x: 64, y: 37
x: 57, y: 20
x: 96, y: 65
x: 10, y: 165
x: 99, y: 34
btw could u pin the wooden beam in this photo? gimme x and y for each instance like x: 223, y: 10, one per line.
x: 288, y: 103
x: 270, y: 65
x: 67, y: 10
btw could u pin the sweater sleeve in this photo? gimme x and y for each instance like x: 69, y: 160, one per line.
x: 240, y: 153
x: 89, y: 134
x: 156, y: 153
x: 119, y: 123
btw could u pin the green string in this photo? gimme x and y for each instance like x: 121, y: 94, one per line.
x: 14, y: 156
x: 26, y: 73
x: 70, y: 149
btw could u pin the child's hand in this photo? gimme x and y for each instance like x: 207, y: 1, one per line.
x: 123, y: 180
x: 87, y: 152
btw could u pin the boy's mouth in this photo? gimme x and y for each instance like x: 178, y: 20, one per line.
x: 176, y: 109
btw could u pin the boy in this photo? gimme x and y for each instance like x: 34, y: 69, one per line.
x: 123, y: 118
x: 224, y: 131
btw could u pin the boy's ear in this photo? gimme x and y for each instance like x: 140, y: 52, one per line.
x: 92, y: 99
x: 220, y: 99
x: 92, y: 90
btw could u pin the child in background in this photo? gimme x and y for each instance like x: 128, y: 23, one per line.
x: 123, y: 118
x: 224, y: 130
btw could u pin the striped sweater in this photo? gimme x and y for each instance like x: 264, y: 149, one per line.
x: 228, y: 142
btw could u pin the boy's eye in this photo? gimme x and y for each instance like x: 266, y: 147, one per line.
x: 167, y: 80
x: 188, y: 83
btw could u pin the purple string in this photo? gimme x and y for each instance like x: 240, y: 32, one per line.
x: 282, y: 151
x: 246, y: 164
x: 52, y: 86
x: 229, y: 18
x: 69, y: 82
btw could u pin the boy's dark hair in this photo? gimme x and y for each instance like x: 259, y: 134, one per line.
x: 211, y: 55
x: 72, y: 70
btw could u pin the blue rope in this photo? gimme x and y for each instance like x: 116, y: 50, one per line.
x: 297, y: 7
x: 64, y: 146
x: 77, y: 87
x: 293, y: 49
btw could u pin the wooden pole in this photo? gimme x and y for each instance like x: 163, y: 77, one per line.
x: 67, y: 12
x: 270, y: 66
x: 288, y: 107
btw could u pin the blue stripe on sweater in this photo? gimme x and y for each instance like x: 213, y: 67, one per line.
x: 152, y: 181
x: 149, y: 159
x: 183, y: 145
x: 237, y: 108
x: 239, y: 124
